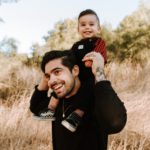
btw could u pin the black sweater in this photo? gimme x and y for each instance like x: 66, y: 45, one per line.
x: 106, y: 116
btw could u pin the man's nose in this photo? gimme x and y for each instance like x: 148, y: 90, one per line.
x: 52, y: 80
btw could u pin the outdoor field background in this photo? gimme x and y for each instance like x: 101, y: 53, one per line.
x: 128, y: 69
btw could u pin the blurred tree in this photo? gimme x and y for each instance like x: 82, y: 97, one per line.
x: 36, y: 55
x: 8, y: 47
x: 109, y: 36
x: 131, y: 38
x: 63, y: 35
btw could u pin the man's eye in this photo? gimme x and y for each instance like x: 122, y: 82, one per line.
x: 57, y: 72
x: 47, y: 76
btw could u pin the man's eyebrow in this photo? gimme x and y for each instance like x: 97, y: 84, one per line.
x: 57, y: 68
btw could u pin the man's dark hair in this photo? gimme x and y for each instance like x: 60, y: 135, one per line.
x: 89, y: 12
x: 68, y: 58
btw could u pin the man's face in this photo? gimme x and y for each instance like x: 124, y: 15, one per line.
x: 88, y: 26
x: 61, y: 79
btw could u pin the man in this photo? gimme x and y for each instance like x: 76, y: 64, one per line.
x: 107, y: 114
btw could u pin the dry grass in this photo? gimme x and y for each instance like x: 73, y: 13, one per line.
x: 18, y: 130
x: 132, y: 85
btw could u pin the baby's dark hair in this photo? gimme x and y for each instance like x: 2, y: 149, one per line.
x: 89, y: 12
x: 68, y: 58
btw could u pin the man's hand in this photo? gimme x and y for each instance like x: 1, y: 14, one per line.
x: 97, y: 65
x: 43, y: 85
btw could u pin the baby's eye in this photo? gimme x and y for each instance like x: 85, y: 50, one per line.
x: 83, y: 25
x: 92, y: 24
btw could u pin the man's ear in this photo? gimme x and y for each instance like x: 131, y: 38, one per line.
x: 75, y: 70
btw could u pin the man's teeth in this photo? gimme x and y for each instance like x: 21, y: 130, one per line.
x: 57, y: 86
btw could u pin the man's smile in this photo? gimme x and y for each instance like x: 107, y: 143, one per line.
x: 57, y: 86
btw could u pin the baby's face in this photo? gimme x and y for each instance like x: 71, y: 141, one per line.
x: 88, y: 26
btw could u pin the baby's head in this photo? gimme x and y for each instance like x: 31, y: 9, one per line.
x: 88, y: 24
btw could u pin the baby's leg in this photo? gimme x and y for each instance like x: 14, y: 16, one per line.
x: 53, y: 100
x: 49, y: 112
x: 79, y: 112
x: 53, y: 103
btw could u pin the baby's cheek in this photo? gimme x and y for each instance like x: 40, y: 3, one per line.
x: 88, y: 63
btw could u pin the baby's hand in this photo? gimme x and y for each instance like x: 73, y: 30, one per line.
x: 88, y: 63
x: 97, y: 61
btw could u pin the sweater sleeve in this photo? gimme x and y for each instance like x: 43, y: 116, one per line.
x: 38, y: 101
x: 100, y: 46
x: 109, y: 110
